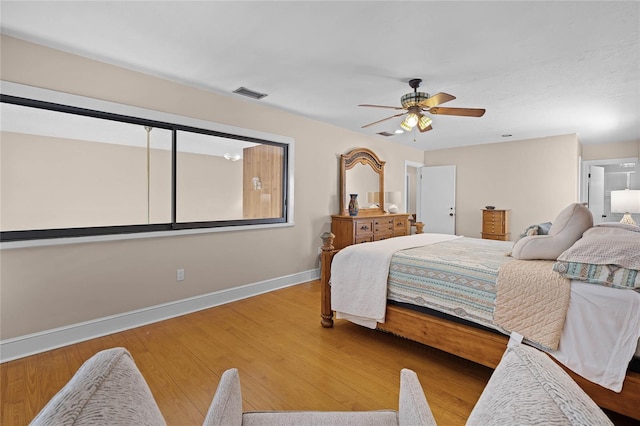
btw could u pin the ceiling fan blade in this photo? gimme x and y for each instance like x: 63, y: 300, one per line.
x: 437, y: 99
x: 384, y: 119
x: 426, y: 129
x: 381, y: 106
x: 464, y: 112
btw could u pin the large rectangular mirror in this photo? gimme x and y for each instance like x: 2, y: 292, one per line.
x: 67, y: 169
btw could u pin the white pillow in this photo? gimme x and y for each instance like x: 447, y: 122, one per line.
x: 566, y: 229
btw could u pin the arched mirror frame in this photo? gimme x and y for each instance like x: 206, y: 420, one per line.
x: 350, y: 160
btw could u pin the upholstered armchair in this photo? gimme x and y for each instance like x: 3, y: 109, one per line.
x: 526, y: 388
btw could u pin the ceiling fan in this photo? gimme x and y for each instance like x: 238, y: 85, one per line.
x: 418, y: 102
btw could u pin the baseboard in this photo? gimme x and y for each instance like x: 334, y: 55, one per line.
x: 31, y: 344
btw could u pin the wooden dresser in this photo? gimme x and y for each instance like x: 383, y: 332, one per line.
x: 495, y: 225
x: 363, y: 229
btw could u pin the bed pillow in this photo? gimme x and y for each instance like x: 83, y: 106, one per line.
x: 607, y: 254
x: 565, y: 230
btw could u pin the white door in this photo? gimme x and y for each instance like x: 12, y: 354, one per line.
x: 438, y: 199
x: 596, y: 193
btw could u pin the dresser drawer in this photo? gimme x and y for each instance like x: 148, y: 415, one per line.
x: 364, y: 239
x: 400, y: 224
x: 492, y: 215
x: 382, y: 236
x: 495, y: 223
x: 363, y: 227
x: 498, y: 237
x: 383, y: 228
x: 492, y: 227
x: 383, y: 221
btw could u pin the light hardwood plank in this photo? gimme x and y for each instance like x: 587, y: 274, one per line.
x: 287, y: 361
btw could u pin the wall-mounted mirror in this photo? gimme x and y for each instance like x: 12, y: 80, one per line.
x: 362, y: 173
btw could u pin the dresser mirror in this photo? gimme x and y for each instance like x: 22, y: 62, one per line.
x: 362, y: 173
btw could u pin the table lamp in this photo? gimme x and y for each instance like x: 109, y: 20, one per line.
x: 626, y: 201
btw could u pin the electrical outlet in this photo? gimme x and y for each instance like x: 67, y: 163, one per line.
x: 180, y: 275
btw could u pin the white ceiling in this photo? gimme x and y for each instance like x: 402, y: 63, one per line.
x: 539, y: 68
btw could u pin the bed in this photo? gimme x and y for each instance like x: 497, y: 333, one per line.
x: 458, y: 318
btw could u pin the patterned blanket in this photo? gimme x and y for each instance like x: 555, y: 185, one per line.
x: 456, y: 277
x: 473, y: 279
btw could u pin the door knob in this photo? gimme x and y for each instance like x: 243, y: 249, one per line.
x: 450, y: 214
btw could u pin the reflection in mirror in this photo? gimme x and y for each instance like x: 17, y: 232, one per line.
x: 362, y: 180
x: 63, y: 170
x: 209, y: 184
x: 362, y: 173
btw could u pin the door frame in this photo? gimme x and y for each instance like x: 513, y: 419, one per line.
x: 417, y: 189
x: 584, y: 172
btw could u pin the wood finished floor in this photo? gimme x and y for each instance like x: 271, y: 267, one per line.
x: 287, y: 361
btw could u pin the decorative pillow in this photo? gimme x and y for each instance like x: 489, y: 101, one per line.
x: 607, y: 275
x: 543, y: 228
x: 607, y: 254
x: 531, y: 230
x: 566, y: 229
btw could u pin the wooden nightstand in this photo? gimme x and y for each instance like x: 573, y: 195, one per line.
x: 495, y: 224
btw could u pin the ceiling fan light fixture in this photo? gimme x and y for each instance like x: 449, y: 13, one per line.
x: 410, y: 121
x: 413, y: 99
x: 405, y: 127
x: 424, y: 122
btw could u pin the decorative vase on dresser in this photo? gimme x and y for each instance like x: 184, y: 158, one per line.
x: 353, y: 205
x: 495, y: 224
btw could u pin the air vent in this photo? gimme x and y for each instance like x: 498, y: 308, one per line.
x: 249, y: 93
x: 385, y: 134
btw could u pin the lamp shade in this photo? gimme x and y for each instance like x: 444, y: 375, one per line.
x: 392, y: 198
x: 625, y: 201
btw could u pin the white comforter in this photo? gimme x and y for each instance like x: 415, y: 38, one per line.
x: 359, y: 277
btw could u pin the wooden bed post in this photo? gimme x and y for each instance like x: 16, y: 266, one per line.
x: 419, y: 227
x: 325, y: 274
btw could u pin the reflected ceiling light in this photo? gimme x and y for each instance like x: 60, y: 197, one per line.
x: 232, y: 157
x: 398, y: 131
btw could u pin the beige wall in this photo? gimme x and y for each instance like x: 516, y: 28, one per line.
x: 534, y: 178
x: 47, y: 287
x: 611, y: 150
